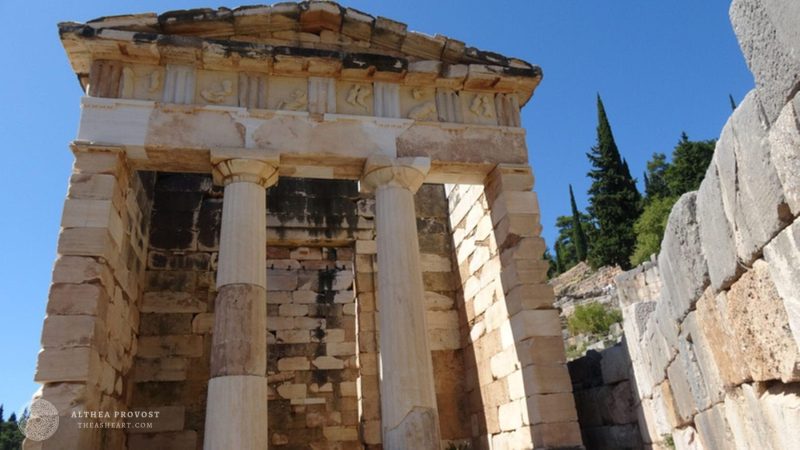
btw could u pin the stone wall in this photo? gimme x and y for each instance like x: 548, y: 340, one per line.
x: 322, y: 325
x: 89, y: 337
x: 606, y: 400
x: 519, y: 394
x: 713, y: 326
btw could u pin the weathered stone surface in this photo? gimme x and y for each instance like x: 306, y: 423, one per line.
x: 761, y: 326
x: 612, y: 437
x: 768, y: 35
x: 686, y: 439
x: 680, y: 374
x: 681, y: 261
x: 712, y: 318
x: 782, y: 255
x: 752, y: 194
x: 745, y: 417
x: 716, y: 233
x: 615, y: 364
x: 713, y: 428
x: 784, y: 144
x: 701, y: 373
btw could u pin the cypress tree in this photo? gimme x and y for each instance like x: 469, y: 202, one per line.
x: 559, y: 262
x: 578, y: 235
x: 614, y: 199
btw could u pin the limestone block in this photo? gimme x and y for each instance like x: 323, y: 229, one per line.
x: 170, y: 345
x: 702, y: 374
x: 781, y: 409
x: 760, y: 324
x: 546, y: 379
x: 615, y: 364
x: 784, y: 144
x: 69, y: 331
x: 161, y: 369
x: 682, y: 378
x: 327, y: 363
x: 687, y: 439
x: 557, y: 434
x: 716, y: 232
x: 85, y: 299
x: 86, y: 242
x: 530, y: 323
x: 510, y: 415
x: 752, y: 194
x: 782, y: 255
x: 541, y: 350
x: 293, y: 336
x: 712, y: 318
x: 652, y: 418
x: 183, y: 440
x: 681, y: 261
x: 170, y: 418
x: 713, y: 428
x: 550, y: 408
x: 172, y: 302
x: 67, y: 364
x: 768, y: 35
x: 746, y: 420
x: 634, y: 322
x: 658, y: 352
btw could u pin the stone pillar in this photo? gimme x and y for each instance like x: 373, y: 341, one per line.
x: 408, y: 398
x: 236, y: 411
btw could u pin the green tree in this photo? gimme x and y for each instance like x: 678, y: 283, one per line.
x: 614, y: 199
x: 592, y: 318
x: 578, y: 235
x: 690, y: 160
x: 649, y: 228
x: 656, y: 184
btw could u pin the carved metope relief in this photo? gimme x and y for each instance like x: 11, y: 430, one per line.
x: 354, y: 98
x: 290, y: 94
x: 479, y: 108
x: 217, y: 88
x: 418, y: 103
x: 141, y: 82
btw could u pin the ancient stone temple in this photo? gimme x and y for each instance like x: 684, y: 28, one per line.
x: 300, y: 226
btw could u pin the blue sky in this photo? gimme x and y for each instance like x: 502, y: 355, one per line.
x: 661, y: 67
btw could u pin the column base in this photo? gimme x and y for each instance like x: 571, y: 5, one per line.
x: 236, y: 413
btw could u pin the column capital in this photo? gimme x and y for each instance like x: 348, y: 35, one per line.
x: 229, y: 167
x: 382, y: 170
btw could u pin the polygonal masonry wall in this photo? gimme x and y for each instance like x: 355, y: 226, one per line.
x: 245, y: 307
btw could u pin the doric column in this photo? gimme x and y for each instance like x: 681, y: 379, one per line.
x: 236, y: 412
x: 408, y: 398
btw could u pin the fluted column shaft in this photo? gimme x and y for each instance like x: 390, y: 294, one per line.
x: 236, y: 411
x: 408, y: 398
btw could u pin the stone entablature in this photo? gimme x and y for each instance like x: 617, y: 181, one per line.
x: 277, y: 58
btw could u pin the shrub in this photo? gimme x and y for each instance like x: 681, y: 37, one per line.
x: 593, y: 318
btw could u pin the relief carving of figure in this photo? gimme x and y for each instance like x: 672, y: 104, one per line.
x: 425, y: 111
x: 298, y: 101
x: 358, y: 96
x: 481, y: 106
x: 218, y: 96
